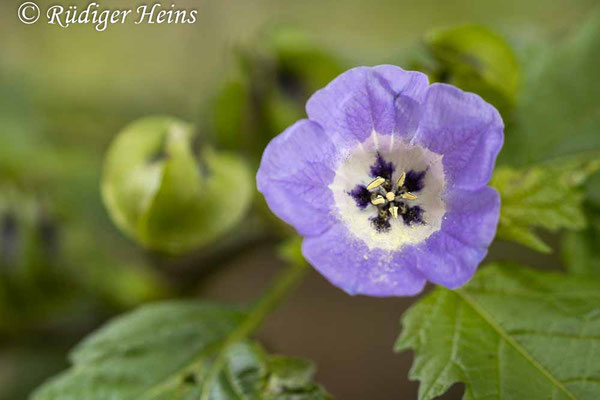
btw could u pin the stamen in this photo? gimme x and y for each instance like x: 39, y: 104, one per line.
x: 409, y: 196
x: 401, y: 179
x: 378, y: 200
x: 390, y: 199
x: 376, y: 183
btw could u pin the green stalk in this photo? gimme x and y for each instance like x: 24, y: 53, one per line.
x: 283, y: 286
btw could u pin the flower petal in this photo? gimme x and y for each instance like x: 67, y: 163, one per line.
x: 412, y: 84
x: 472, y: 216
x: 410, y: 88
x: 447, y: 261
x: 465, y: 129
x: 384, y: 99
x: 294, y: 174
x: 348, y: 264
x: 451, y: 256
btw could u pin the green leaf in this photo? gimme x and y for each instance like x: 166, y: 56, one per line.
x: 512, y: 333
x: 170, y: 351
x: 545, y: 196
x: 476, y: 59
x: 160, y: 195
x: 581, y: 250
x: 557, y: 112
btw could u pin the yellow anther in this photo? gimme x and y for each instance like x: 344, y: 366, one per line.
x: 378, y: 200
x: 394, y: 211
x: 409, y: 196
x: 376, y: 183
x: 390, y: 196
x: 402, y: 179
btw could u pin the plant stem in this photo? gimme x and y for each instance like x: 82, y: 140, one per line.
x: 283, y: 286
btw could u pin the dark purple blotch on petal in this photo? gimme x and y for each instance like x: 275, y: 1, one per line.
x: 414, y: 181
x: 413, y: 215
x: 382, y: 168
x: 381, y: 222
x: 361, y: 196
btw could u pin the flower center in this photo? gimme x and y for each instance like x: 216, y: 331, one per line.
x: 389, y: 193
x: 390, y: 198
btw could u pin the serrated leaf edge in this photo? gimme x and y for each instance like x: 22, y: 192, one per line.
x: 404, y: 343
x: 508, y: 339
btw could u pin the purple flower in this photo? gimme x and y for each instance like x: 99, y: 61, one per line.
x: 386, y: 179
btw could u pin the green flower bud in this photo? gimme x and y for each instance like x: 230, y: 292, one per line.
x: 28, y: 234
x: 161, y: 196
x: 34, y: 285
x: 268, y: 90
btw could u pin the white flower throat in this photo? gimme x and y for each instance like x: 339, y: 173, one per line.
x: 389, y: 193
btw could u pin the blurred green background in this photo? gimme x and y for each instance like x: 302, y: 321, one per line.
x: 240, y: 74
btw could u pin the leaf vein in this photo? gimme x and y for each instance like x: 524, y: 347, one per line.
x: 516, y: 345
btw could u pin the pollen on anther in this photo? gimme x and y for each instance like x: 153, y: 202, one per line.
x: 409, y: 196
x: 376, y: 183
x: 402, y: 179
x: 390, y: 196
x: 394, y: 211
x: 378, y: 200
